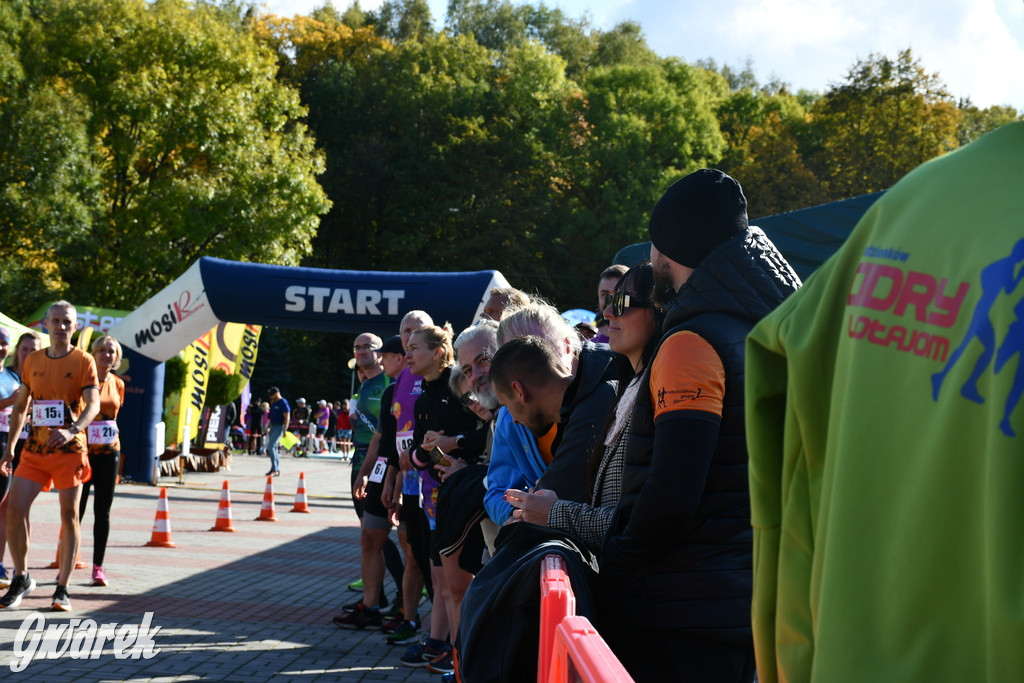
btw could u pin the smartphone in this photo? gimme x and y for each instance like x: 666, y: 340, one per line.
x: 438, y: 457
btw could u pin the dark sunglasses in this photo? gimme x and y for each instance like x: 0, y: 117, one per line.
x: 469, y: 399
x: 621, y: 301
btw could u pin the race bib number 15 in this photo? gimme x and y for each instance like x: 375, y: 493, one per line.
x: 48, y: 413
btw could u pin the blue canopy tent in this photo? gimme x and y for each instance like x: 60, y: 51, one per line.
x: 806, y: 237
x: 214, y: 290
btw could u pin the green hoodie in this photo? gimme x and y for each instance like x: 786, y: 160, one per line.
x: 886, y: 439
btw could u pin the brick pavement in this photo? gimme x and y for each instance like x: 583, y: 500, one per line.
x: 251, y: 605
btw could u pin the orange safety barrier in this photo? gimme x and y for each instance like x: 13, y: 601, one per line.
x: 570, y: 647
x: 580, y: 653
x: 556, y: 603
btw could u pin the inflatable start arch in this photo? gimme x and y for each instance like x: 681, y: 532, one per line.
x: 214, y: 290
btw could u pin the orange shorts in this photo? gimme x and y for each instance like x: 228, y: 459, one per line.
x: 65, y: 470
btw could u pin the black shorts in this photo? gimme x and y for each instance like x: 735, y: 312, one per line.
x: 372, y: 502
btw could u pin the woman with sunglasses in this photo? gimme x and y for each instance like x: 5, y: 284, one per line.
x: 633, y: 334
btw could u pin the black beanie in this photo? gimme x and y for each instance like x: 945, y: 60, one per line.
x: 696, y: 214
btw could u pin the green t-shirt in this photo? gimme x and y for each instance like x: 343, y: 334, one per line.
x: 886, y: 439
x: 364, y: 423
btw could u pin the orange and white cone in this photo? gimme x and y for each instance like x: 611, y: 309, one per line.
x: 161, y: 537
x: 267, y: 511
x: 56, y: 562
x: 300, y: 496
x: 223, y: 522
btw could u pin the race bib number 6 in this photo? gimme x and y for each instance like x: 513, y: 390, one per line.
x: 379, y: 469
x: 48, y: 413
x: 102, y: 432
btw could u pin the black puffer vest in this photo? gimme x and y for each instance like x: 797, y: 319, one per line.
x: 704, y: 581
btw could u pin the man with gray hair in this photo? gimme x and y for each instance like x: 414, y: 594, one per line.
x: 557, y: 459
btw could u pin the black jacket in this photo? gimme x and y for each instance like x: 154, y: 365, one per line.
x: 680, y: 543
x: 584, y: 412
x: 438, y: 409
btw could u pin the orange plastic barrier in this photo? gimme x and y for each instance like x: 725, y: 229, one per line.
x: 570, y: 647
x: 580, y: 652
x: 556, y: 603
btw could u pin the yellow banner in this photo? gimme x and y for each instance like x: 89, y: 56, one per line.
x: 193, y: 395
x: 227, y: 341
x: 246, y: 360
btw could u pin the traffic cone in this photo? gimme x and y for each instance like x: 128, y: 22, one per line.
x: 300, y: 496
x: 267, y: 511
x: 56, y: 562
x: 223, y: 522
x: 161, y: 537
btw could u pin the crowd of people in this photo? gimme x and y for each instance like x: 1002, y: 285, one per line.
x: 652, y: 451
x: 624, y: 451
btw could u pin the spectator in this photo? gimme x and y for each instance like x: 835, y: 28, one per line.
x: 885, y: 439
x: 501, y: 298
x: 610, y: 277
x: 254, y: 428
x: 279, y: 415
x: 679, y: 545
x: 634, y: 324
x: 557, y: 459
x: 321, y: 422
x: 344, y: 422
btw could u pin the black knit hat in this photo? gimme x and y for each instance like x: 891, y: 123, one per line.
x: 392, y: 345
x: 696, y: 214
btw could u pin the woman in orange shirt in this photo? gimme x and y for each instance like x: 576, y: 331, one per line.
x: 104, y: 450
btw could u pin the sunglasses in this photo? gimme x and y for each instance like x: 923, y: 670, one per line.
x: 620, y: 301
x: 469, y: 399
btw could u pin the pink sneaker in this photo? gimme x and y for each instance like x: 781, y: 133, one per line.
x: 99, y: 578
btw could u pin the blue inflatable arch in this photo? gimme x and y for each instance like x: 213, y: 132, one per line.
x: 214, y: 290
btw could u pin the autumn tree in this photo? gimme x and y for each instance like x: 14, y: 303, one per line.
x: 885, y: 119
x: 163, y: 135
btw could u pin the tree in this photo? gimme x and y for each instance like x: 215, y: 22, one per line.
x: 976, y: 122
x: 888, y: 117
x: 175, y: 141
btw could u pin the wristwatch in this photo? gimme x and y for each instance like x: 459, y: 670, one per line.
x: 458, y: 440
x: 74, y: 428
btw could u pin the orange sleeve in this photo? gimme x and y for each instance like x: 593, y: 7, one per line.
x: 687, y: 374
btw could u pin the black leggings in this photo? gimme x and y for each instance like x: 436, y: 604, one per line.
x: 104, y: 476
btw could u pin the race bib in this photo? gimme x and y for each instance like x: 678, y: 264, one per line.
x: 402, y: 441
x: 101, y: 432
x: 48, y: 413
x: 380, y: 468
x: 5, y: 419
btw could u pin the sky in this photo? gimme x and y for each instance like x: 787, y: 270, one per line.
x: 975, y: 46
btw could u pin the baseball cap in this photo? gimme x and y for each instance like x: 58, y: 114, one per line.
x: 393, y: 345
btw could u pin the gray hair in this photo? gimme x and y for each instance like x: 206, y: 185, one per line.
x: 488, y: 328
x: 542, y: 320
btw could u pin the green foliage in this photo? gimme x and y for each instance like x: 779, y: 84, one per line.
x: 143, y: 136
x: 174, y: 376
x: 888, y: 117
x: 222, y: 388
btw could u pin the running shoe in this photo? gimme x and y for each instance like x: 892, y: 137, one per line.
x: 406, y: 633
x: 422, y: 655
x: 99, y: 578
x: 442, y: 665
x: 356, y: 585
x: 362, y: 617
x: 61, y: 600
x: 4, y: 580
x: 395, y: 611
x: 21, y: 585
x: 448, y: 678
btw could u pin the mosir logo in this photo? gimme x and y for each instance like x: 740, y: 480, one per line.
x: 81, y: 639
x: 176, y: 312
